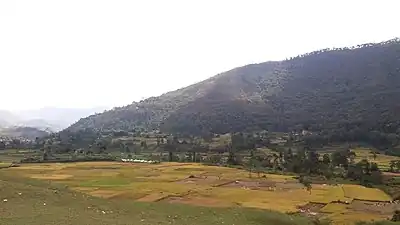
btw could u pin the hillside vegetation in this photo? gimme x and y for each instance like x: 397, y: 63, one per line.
x: 346, y: 90
x: 23, y: 132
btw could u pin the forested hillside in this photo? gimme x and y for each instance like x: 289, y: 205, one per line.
x: 349, y: 90
x: 23, y: 132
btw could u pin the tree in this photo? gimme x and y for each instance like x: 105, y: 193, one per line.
x: 352, y: 156
x: 266, y: 161
x: 257, y: 167
x: 309, y: 187
x: 207, y: 136
x: 232, y: 158
x: 122, y: 147
x: 339, y: 158
x: 215, y: 158
x: 194, y: 159
x: 252, y: 163
x: 289, y: 155
x: 326, y: 159
x: 313, y: 162
x: 45, y: 155
x: 276, y: 160
x: 396, y: 216
x: 143, y: 144
x: 306, y: 182
x: 127, y: 149
x: 392, y: 165
x: 374, y: 155
x: 158, y: 141
x: 189, y: 157
x: 373, y: 167
x: 365, y: 165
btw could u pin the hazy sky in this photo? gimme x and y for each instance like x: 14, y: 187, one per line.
x: 83, y: 53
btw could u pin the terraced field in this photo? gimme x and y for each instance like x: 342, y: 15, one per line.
x: 38, y: 202
x: 382, y: 160
x: 199, y: 185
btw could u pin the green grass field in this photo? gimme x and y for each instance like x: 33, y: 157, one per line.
x: 15, y: 155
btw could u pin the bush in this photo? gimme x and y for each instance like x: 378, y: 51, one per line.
x: 396, y: 216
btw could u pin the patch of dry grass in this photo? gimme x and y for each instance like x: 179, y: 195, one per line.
x: 4, y: 165
x: 382, y: 160
x: 52, y: 176
x: 363, y: 193
x: 328, y: 194
x: 351, y: 217
x: 334, y: 208
x: 143, y: 182
x: 36, y: 202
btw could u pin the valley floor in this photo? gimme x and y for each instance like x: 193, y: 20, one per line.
x: 101, y: 192
x: 29, y: 201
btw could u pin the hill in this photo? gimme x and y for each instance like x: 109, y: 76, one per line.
x: 50, y: 118
x: 39, y: 124
x: 352, y: 89
x: 56, y: 118
x: 23, y: 132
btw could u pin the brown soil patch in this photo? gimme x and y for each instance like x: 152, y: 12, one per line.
x: 129, y: 195
x: 84, y: 189
x: 195, y: 169
x: 253, y: 185
x: 198, y: 201
x: 289, y: 185
x: 169, y: 165
x: 312, y: 210
x: 204, y: 180
x: 312, y: 207
x: 105, y: 193
x: 385, y: 208
x: 155, y: 197
x: 52, y: 176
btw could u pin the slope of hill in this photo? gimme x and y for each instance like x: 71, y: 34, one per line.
x: 355, y: 87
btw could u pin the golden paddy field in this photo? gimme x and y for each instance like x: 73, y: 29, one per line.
x: 196, y: 184
x: 382, y: 160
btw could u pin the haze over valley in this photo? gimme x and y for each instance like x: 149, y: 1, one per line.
x: 48, y: 120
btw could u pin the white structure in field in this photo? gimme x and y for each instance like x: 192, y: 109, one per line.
x: 138, y: 161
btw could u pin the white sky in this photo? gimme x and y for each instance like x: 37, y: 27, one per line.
x: 84, y: 53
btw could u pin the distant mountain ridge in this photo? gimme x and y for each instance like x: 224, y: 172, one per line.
x: 30, y: 133
x: 46, y: 119
x: 327, y: 89
x: 57, y: 118
x: 7, y: 118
